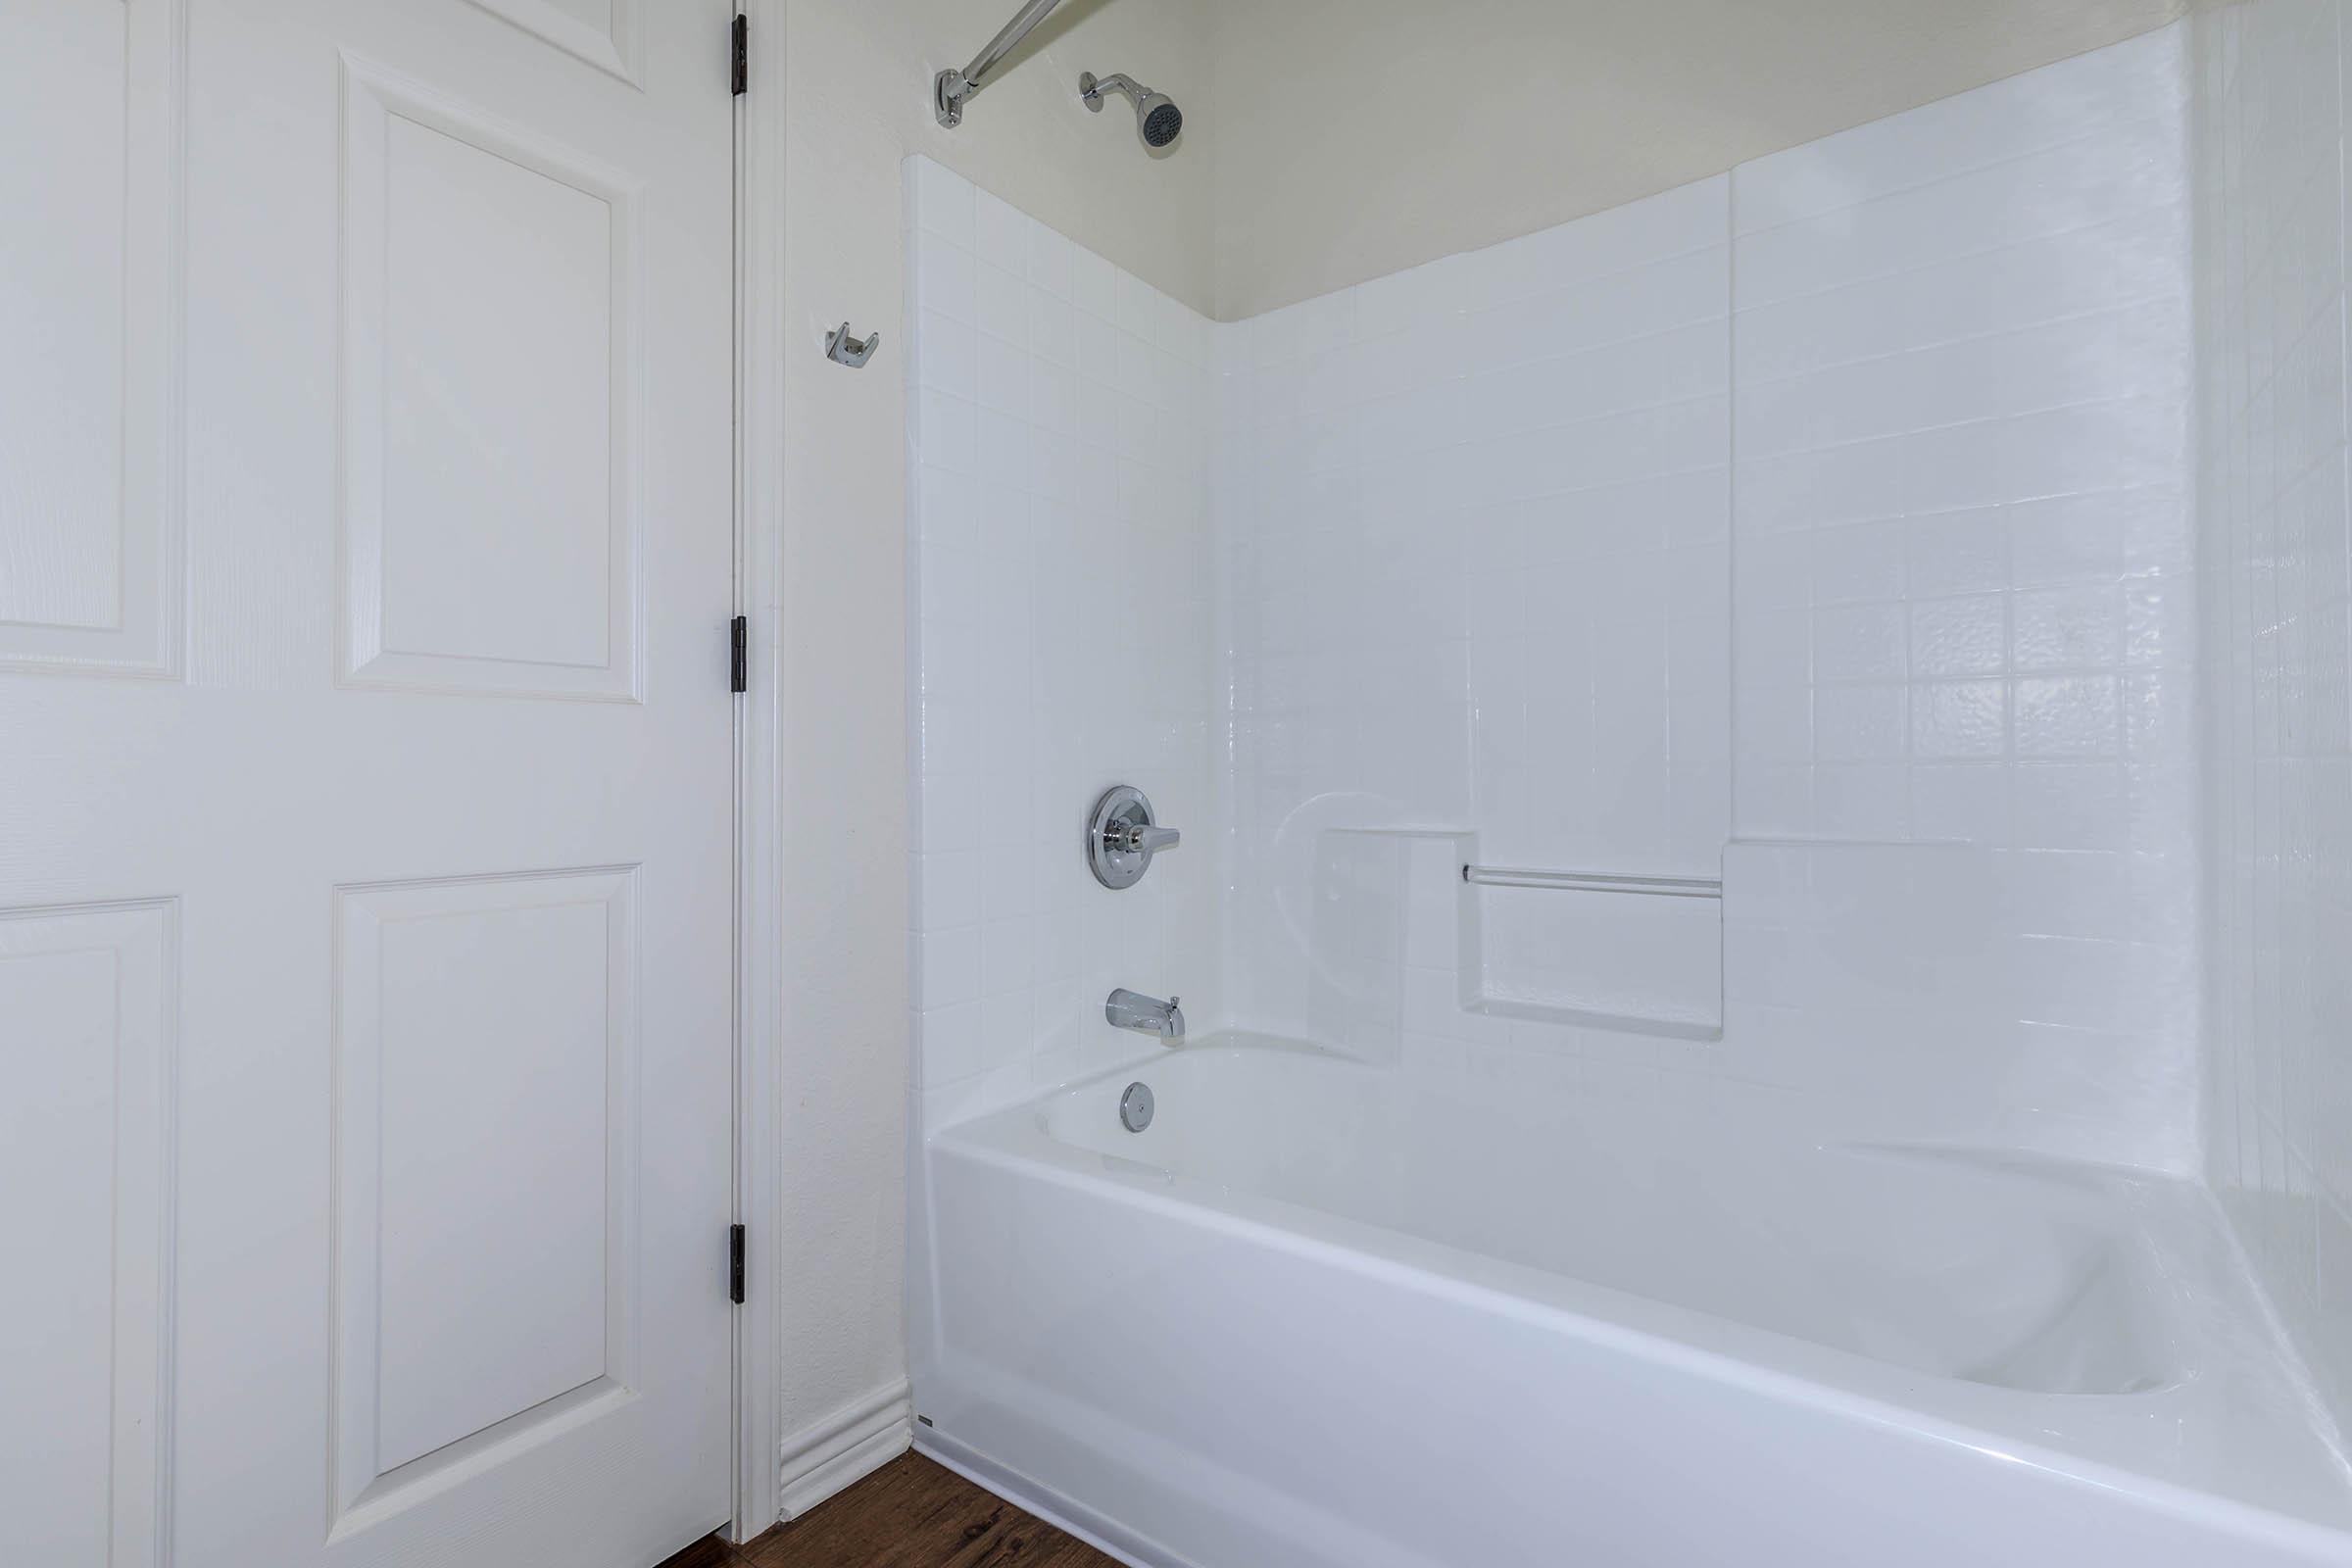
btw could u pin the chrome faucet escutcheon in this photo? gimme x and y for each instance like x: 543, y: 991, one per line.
x: 1122, y: 835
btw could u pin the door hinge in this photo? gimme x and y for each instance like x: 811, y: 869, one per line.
x: 735, y: 1264
x: 739, y: 637
x: 743, y: 54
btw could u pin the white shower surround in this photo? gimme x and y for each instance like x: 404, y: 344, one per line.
x: 1475, y: 521
x: 1066, y: 628
x: 1826, y: 510
x: 2276, y: 546
x: 1892, y: 541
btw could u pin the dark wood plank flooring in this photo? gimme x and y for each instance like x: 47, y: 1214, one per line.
x: 910, y: 1514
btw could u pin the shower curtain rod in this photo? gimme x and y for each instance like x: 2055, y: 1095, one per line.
x: 949, y: 88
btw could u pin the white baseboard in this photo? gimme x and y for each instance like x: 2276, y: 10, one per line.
x: 848, y: 1446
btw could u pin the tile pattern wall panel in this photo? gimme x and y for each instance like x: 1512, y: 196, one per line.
x: 1963, y: 580
x: 1913, y: 991
x: 2277, y: 550
x: 87, y: 994
x: 91, y: 530
x: 1476, y: 523
x: 1963, y: 546
x: 1066, y: 642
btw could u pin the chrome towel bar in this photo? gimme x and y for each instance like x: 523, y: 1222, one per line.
x: 1662, y: 886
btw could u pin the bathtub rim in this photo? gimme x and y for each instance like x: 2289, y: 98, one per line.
x: 1761, y: 1362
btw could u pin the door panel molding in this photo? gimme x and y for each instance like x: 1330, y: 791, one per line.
x: 419, y: 608
x: 465, y: 1027
x: 121, y: 610
x: 98, y: 984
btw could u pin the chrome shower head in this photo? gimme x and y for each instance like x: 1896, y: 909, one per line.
x: 1157, y: 120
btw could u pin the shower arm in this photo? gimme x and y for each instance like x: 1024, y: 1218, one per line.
x: 949, y: 88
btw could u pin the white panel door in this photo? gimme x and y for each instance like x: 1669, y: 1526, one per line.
x: 366, y: 564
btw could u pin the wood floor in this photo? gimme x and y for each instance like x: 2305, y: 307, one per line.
x: 910, y: 1514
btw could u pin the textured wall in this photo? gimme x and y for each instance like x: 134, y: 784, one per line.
x: 2275, y: 546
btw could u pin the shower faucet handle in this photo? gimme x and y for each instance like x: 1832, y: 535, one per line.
x: 1121, y: 836
x: 1141, y: 839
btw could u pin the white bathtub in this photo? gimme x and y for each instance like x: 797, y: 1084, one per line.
x: 1321, y: 1313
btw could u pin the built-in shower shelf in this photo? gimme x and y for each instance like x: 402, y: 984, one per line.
x: 1616, y: 951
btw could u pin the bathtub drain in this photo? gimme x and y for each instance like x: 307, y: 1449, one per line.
x: 1134, y: 1108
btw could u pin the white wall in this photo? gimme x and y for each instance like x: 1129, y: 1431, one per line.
x: 1824, y: 524
x: 856, y: 84
x: 2277, y: 548
x: 1360, y: 137
x: 1065, y: 643
x: 1064, y: 640
x: 1476, y: 530
x: 1923, y: 384
x: 1962, y: 593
